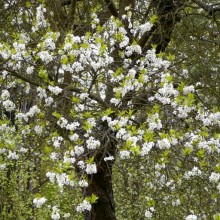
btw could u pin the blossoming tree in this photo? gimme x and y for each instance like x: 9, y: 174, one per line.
x: 83, y: 90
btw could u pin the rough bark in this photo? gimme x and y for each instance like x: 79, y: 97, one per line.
x: 101, y: 186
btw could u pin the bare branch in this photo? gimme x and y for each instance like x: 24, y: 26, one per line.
x: 25, y: 79
x: 211, y: 9
x: 112, y: 8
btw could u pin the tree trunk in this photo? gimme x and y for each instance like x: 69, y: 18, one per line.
x: 101, y: 186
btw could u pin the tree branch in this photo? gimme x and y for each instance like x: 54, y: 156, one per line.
x: 91, y: 95
x: 112, y: 8
x: 211, y: 9
x: 25, y: 79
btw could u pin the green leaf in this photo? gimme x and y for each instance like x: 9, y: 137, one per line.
x: 135, y: 150
x: 216, y: 216
x: 90, y: 160
x: 57, y: 115
x: 87, y: 126
x: 187, y: 151
x: 75, y: 99
x: 201, y: 153
x: 217, y: 168
x: 87, y: 114
x: 154, y: 19
x: 43, y: 75
x: 93, y: 198
x: 170, y: 57
x: 148, y: 136
x: 107, y: 112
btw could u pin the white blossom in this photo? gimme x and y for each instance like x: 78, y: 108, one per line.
x: 38, y: 202
x: 2, y: 166
x: 74, y: 137
x: 23, y: 150
x: 83, y: 183
x: 51, y: 176
x: 9, y: 105
x: 91, y: 168
x: 148, y: 214
x: 164, y: 143
x: 78, y: 150
x: 12, y: 155
x: 55, y: 89
x: 84, y: 206
x: 109, y: 158
x: 38, y: 129
x: 45, y: 56
x: 48, y: 101
x: 55, y: 213
x: 92, y: 143
x: 214, y: 177
x: 146, y: 148
x: 54, y: 156
x: 124, y: 154
x: 5, y: 94
x: 191, y: 217
x: 30, y: 70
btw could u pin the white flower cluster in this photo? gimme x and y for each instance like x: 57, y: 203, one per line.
x: 9, y: 105
x: 2, y: 166
x: 5, y: 95
x: 214, y: 177
x: 49, y: 44
x: 84, y: 206
x: 164, y: 143
x: 144, y: 27
x: 57, y: 141
x: 124, y: 154
x: 83, y: 183
x: 209, y: 119
x: 146, y: 148
x: 176, y: 203
x: 38, y: 202
x: 92, y: 143
x: 194, y: 172
x: 45, y: 56
x: 55, y: 213
x: 54, y: 156
x: 61, y: 179
x: 12, y: 155
x: 38, y: 129
x: 154, y: 122
x: 78, y: 150
x: 63, y: 123
x: 191, y: 217
x: 68, y: 158
x: 41, y: 93
x: 30, y: 70
x: 72, y: 126
x: 23, y: 150
x: 188, y: 89
x: 133, y: 49
x: 148, y: 214
x: 51, y: 176
x: 109, y: 158
x: 74, y: 137
x: 55, y: 89
x: 40, y: 19
x: 91, y: 168
x: 31, y: 113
